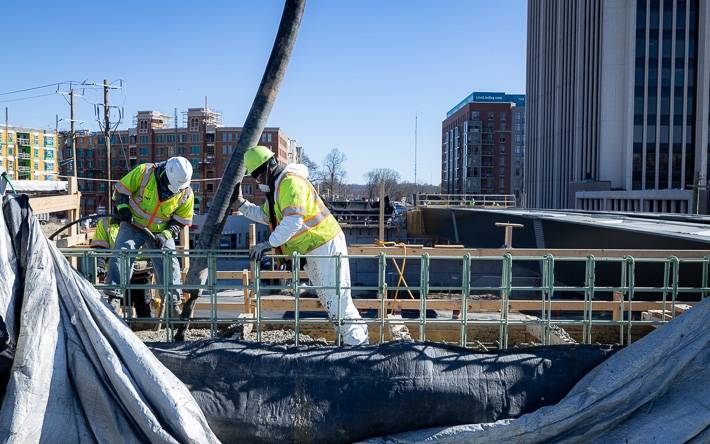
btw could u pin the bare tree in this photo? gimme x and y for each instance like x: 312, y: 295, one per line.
x: 387, y: 175
x: 315, y: 175
x: 251, y: 132
x: 333, y: 170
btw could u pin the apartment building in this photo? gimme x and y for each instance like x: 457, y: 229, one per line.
x: 29, y: 153
x: 483, y: 145
x: 155, y: 137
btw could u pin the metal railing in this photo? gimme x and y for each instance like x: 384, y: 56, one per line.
x: 466, y: 200
x: 588, y: 306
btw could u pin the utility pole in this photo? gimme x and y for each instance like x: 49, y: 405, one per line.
x: 72, y: 132
x: 107, y: 138
x: 7, y: 142
x: 415, y: 150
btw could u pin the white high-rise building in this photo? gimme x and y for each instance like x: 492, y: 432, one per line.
x: 618, y: 93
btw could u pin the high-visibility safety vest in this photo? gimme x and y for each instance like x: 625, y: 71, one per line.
x: 148, y: 211
x: 105, y: 234
x: 294, y: 195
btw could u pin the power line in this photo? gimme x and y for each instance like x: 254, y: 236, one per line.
x: 55, y: 84
x: 28, y: 97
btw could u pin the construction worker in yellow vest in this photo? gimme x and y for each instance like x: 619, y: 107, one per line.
x: 301, y: 223
x: 159, y: 198
x: 105, y: 238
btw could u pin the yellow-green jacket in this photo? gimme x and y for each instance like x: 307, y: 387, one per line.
x: 148, y: 211
x: 105, y: 234
x: 303, y: 221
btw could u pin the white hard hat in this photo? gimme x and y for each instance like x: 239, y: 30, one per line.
x: 179, y: 172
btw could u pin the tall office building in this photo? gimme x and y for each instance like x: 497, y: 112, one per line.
x: 617, y: 97
x: 483, y: 145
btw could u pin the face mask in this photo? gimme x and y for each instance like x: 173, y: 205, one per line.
x: 264, y: 188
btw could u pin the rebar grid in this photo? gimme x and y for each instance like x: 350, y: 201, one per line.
x: 548, y: 288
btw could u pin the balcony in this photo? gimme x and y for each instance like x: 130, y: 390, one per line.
x: 25, y: 156
x: 23, y: 141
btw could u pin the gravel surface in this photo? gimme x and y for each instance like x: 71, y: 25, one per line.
x: 234, y: 332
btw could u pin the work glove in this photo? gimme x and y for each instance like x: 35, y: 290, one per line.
x: 100, y: 268
x: 175, y: 228
x: 259, y: 249
x: 163, y: 237
x: 123, y: 213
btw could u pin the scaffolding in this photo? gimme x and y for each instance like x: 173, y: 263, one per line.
x: 616, y: 306
x: 466, y: 200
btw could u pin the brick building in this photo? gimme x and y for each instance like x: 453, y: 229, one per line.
x: 478, y: 137
x: 154, y: 138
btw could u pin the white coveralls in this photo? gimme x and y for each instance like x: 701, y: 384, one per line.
x: 321, y: 271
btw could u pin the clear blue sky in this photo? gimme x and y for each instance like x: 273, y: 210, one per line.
x: 360, y: 71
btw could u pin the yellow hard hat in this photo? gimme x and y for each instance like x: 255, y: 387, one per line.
x: 255, y: 157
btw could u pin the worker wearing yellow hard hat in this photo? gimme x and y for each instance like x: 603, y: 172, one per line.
x: 302, y: 223
x: 158, y: 198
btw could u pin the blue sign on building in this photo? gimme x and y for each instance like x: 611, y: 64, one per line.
x: 489, y: 97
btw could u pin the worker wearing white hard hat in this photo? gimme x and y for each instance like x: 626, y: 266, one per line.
x: 156, y: 197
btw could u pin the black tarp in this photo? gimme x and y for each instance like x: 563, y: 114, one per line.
x: 259, y: 393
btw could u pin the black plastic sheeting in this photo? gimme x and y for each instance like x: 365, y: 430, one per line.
x: 261, y: 393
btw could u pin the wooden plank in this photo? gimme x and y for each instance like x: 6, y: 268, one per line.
x: 230, y: 274
x: 54, y: 204
x: 265, y: 274
x: 70, y: 241
x: 287, y: 303
x: 373, y: 250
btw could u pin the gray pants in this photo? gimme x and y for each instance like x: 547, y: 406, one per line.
x: 131, y: 238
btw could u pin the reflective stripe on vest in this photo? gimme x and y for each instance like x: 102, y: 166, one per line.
x: 319, y: 226
x: 152, y: 219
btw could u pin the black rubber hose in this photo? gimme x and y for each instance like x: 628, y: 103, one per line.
x: 145, y: 230
x: 74, y: 222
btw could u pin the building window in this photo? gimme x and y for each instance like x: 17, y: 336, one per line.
x: 143, y: 139
x: 194, y: 150
x: 195, y: 187
x: 209, y: 187
x: 36, y: 151
x: 144, y: 151
x: 195, y: 137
